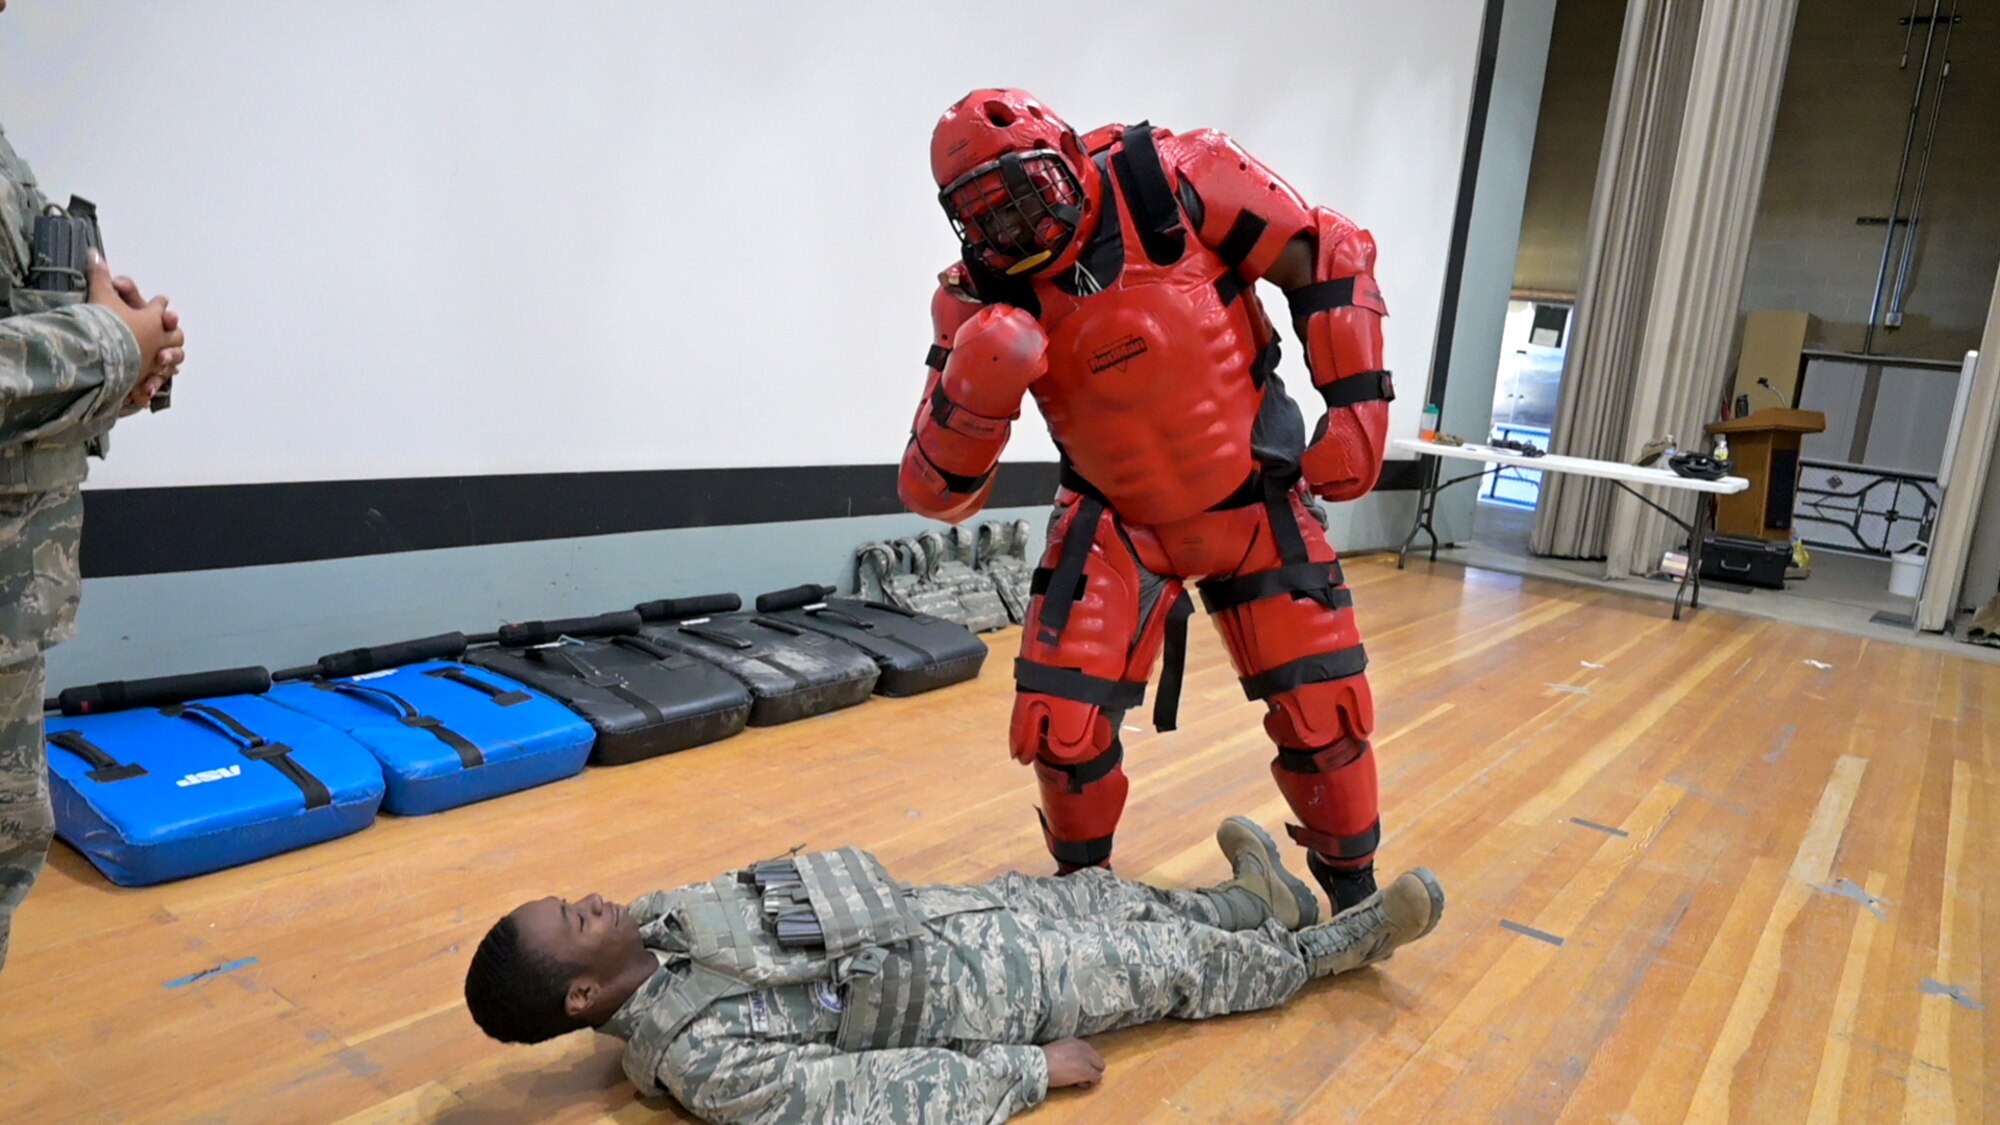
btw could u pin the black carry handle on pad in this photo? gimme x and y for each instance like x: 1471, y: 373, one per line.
x: 126, y: 695
x: 542, y: 632
x: 355, y: 661
x: 667, y: 609
x: 777, y: 601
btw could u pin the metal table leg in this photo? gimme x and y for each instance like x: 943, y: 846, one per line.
x: 1426, y: 506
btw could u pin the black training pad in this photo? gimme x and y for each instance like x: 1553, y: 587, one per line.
x: 644, y: 700
x: 793, y: 672
x: 915, y: 651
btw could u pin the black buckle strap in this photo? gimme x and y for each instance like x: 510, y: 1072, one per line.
x: 408, y: 713
x: 1360, y: 387
x: 1336, y: 665
x: 957, y: 484
x: 1321, y: 296
x: 717, y: 637
x: 1096, y: 769
x: 1079, y: 686
x: 254, y: 747
x: 1218, y: 594
x: 501, y: 697
x: 1360, y: 845
x: 104, y: 767
x: 1065, y: 584
x: 936, y: 357
x: 1173, y: 665
x: 1076, y: 853
x: 1144, y: 180
x: 467, y: 751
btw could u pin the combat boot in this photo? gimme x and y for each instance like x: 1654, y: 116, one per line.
x: 1262, y: 887
x: 1400, y: 913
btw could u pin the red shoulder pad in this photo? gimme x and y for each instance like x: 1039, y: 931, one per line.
x: 1248, y: 212
x: 1101, y: 138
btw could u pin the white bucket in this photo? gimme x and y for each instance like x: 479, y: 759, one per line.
x: 1906, y: 573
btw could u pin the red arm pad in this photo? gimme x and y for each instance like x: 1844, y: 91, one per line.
x: 981, y: 362
x: 1339, y: 317
x: 1247, y: 212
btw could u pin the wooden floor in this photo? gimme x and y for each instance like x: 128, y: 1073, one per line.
x: 1726, y: 869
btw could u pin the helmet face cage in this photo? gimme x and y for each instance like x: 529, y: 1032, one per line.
x: 1014, y: 208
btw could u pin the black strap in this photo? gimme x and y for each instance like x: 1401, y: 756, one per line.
x: 104, y: 767
x: 717, y: 636
x: 1076, y: 853
x: 1360, y: 845
x: 1284, y: 521
x: 943, y: 410
x: 956, y: 483
x: 1065, y: 583
x: 785, y: 627
x: 1321, y: 296
x: 1336, y: 665
x: 1173, y: 665
x: 937, y: 357
x: 592, y: 676
x: 1242, y: 238
x: 254, y: 747
x: 1144, y: 181
x: 1074, y: 684
x: 1228, y: 286
x: 644, y: 647
x: 1360, y: 387
x: 1096, y: 769
x: 467, y: 751
x: 501, y: 697
x: 1218, y: 594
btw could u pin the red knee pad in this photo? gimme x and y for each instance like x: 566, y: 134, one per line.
x: 1081, y: 805
x: 1336, y: 796
x: 1322, y: 714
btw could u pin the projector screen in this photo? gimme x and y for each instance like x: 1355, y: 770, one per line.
x: 499, y: 237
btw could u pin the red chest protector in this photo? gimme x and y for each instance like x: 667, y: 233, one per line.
x: 1161, y: 390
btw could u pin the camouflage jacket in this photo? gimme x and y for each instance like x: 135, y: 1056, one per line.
x: 772, y: 1052
x: 66, y: 368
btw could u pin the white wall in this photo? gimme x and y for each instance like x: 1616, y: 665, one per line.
x: 455, y: 237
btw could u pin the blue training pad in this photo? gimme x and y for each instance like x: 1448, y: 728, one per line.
x: 448, y: 735
x: 154, y: 795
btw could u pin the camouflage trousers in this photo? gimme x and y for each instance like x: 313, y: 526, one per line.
x: 26, y: 824
x: 1117, y: 954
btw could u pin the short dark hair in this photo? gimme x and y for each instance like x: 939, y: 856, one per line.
x: 518, y: 994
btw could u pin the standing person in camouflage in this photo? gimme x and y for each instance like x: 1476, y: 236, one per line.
x: 71, y: 364
x: 819, y: 989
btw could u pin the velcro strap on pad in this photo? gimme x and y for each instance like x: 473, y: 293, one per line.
x: 1078, y: 686
x: 1360, y: 387
x: 1218, y: 594
x: 1321, y: 668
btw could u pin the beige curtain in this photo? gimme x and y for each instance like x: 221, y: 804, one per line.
x: 1718, y: 175
x: 1627, y: 212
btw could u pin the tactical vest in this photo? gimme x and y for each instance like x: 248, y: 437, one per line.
x: 38, y: 466
x: 834, y: 916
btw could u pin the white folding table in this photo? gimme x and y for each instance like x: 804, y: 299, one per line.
x: 1622, y: 475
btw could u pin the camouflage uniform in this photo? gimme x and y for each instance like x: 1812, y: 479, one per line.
x: 1005, y: 965
x: 65, y: 370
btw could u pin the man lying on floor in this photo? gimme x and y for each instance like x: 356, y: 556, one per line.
x: 817, y: 988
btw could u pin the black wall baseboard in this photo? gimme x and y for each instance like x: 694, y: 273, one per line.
x: 132, y: 531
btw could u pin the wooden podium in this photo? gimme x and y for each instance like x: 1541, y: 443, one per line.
x: 1765, y: 447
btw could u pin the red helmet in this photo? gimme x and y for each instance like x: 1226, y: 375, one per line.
x: 1014, y: 180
